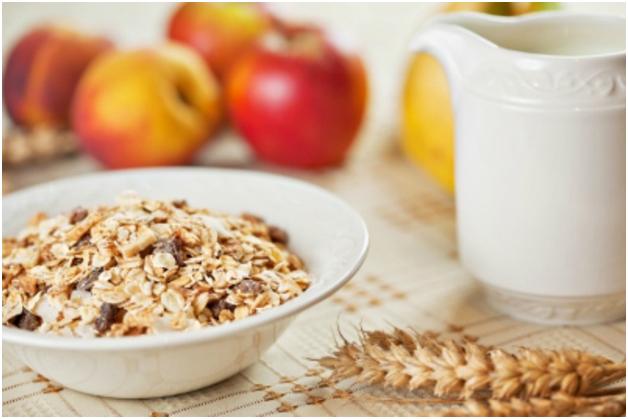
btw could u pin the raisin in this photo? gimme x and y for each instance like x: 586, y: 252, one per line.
x: 85, y: 239
x: 146, y: 251
x: 106, y: 318
x: 217, y: 306
x: 249, y: 286
x: 172, y: 246
x: 77, y: 214
x: 87, y: 283
x: 26, y: 320
x: 277, y: 235
x: 180, y: 203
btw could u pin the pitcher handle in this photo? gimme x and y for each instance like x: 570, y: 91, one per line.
x: 453, y: 47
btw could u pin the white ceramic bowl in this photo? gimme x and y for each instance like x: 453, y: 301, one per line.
x: 330, y: 236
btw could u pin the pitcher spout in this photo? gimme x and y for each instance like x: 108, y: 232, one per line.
x: 531, y: 60
x: 452, y: 44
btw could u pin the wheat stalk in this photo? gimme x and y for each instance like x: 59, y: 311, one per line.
x: 411, y: 361
x: 609, y: 402
x: 559, y: 404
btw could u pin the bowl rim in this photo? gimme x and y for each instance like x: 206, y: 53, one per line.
x: 206, y: 334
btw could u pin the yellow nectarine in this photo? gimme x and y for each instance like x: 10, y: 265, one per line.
x: 146, y: 107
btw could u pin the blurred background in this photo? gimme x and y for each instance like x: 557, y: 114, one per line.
x: 301, y: 89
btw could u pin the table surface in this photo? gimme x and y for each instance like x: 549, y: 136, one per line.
x: 412, y: 276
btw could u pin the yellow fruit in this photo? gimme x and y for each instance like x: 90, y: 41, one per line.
x: 493, y: 8
x: 428, y: 120
x: 501, y: 8
x: 146, y: 107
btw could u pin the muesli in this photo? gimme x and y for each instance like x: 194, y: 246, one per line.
x: 142, y: 267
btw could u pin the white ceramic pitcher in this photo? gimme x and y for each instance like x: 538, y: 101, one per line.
x: 540, y: 115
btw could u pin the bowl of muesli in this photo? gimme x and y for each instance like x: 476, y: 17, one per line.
x: 153, y: 282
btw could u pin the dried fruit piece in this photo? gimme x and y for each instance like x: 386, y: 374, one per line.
x: 249, y: 286
x: 172, y: 246
x: 77, y: 214
x: 179, y: 203
x: 217, y: 306
x: 106, y: 318
x: 26, y: 320
x: 85, y: 239
x: 278, y: 235
x: 87, y: 283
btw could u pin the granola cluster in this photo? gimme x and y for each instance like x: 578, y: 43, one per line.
x: 144, y: 266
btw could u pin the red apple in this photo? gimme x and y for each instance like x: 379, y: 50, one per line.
x: 299, y: 103
x: 220, y: 32
x: 42, y: 72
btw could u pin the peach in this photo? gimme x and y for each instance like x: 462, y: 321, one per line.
x: 220, y: 32
x: 42, y: 71
x: 147, y: 107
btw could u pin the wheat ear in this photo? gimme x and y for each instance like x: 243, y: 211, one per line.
x: 410, y: 360
x: 559, y: 404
